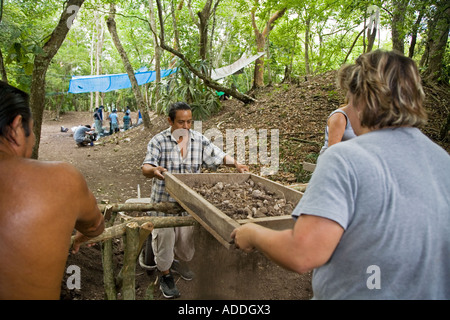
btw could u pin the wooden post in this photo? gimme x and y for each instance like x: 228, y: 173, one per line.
x: 107, y: 260
x: 135, y: 231
x: 129, y: 261
x: 309, y: 166
x: 144, y: 232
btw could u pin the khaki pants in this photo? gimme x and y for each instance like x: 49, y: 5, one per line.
x: 168, y: 243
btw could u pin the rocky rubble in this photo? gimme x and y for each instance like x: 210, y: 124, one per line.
x: 245, y: 201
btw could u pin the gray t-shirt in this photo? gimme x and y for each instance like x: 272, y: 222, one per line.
x: 390, y: 191
x: 80, y: 134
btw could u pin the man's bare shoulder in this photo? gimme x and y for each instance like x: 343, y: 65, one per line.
x: 58, y: 166
x: 55, y: 173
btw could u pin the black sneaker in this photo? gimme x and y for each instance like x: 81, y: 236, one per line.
x: 168, y: 287
x: 182, y: 269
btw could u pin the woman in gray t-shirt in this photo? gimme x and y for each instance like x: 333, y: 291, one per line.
x: 374, y: 222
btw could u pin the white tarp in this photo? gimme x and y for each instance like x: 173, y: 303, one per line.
x: 226, y: 71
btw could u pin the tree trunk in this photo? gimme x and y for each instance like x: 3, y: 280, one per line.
x: 371, y: 36
x: 91, y: 56
x: 157, y: 48
x: 288, y: 68
x: 307, y: 68
x: 41, y: 64
x: 439, y: 38
x: 267, y: 49
x: 414, y: 34
x: 258, y: 76
x: 203, y: 28
x: 372, y: 28
x: 2, y: 64
x: 111, y: 23
x: 176, y: 36
x: 2, y: 68
x: 207, y: 80
x: 398, y: 22
x: 98, y: 54
x: 353, y: 45
x: 202, y: 25
x: 211, y: 56
x: 258, y: 80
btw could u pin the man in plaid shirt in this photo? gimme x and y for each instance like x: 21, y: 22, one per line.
x: 178, y: 149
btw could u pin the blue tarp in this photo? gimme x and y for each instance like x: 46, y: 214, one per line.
x: 111, y: 82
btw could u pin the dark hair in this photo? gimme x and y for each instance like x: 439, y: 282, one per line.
x: 175, y: 107
x: 13, y: 102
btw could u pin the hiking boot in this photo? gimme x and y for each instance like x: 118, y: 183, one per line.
x: 168, y: 287
x: 182, y: 269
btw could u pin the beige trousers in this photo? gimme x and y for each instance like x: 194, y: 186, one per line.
x: 168, y: 243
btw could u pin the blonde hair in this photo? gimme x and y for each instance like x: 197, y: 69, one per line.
x: 387, y: 88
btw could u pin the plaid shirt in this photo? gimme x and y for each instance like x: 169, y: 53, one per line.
x: 163, y: 150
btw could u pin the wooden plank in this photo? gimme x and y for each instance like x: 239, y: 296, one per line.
x: 276, y: 223
x: 210, y: 217
x: 309, y: 166
x: 215, y: 221
x: 195, y: 179
x: 299, y: 186
x: 291, y: 195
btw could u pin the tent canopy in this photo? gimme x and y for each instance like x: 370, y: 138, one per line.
x: 226, y: 71
x: 111, y: 82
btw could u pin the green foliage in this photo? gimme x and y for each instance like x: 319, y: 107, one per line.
x: 332, y: 26
x: 186, y: 87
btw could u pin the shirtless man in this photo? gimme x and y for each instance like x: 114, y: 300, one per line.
x: 41, y: 203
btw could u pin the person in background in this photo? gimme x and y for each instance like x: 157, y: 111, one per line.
x: 97, y: 122
x: 139, y: 118
x: 114, y: 122
x: 100, y: 113
x: 339, y: 127
x: 84, y: 136
x: 41, y: 204
x: 178, y: 149
x: 374, y: 221
x: 127, y: 123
